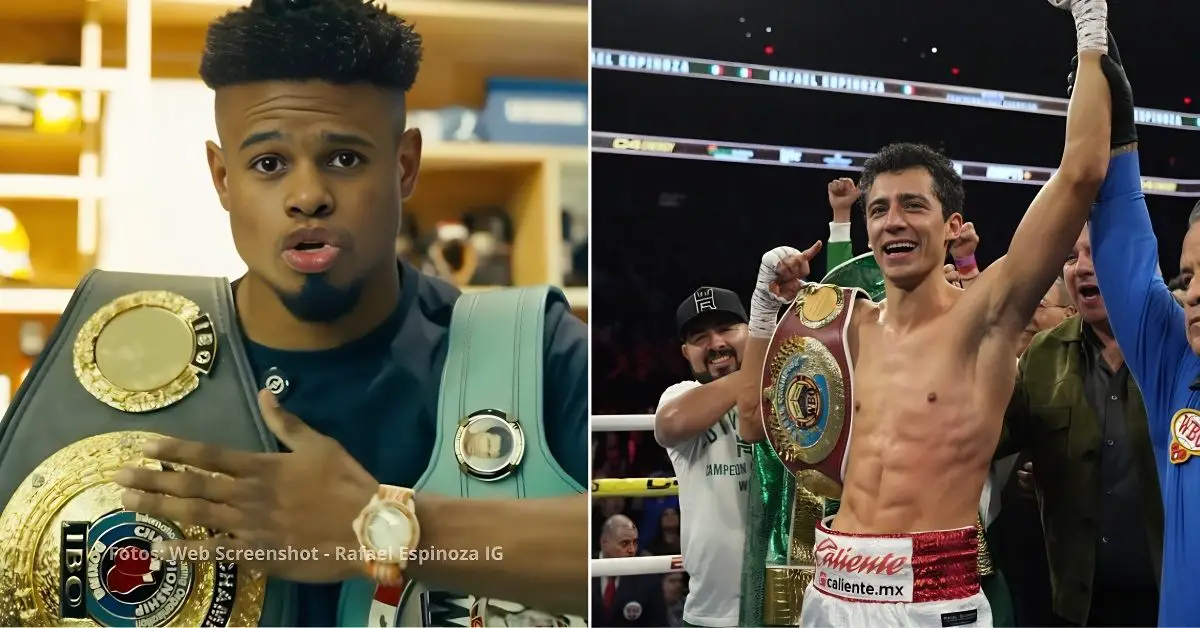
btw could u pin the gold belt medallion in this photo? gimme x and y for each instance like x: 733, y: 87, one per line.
x: 145, y: 351
x: 807, y: 401
x: 74, y: 557
x: 819, y: 304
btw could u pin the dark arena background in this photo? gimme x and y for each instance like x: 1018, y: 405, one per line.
x: 717, y: 125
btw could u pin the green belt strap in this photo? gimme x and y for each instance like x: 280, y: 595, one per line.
x: 494, y: 362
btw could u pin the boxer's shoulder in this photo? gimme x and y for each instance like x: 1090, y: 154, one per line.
x: 866, y: 310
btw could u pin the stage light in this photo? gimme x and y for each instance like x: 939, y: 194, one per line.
x: 1187, y: 100
x: 954, y: 71
x: 933, y: 50
x: 768, y: 29
x: 769, y: 50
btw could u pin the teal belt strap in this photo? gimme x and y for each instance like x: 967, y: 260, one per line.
x: 494, y: 362
x: 497, y: 341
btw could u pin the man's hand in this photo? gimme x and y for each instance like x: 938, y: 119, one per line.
x: 791, y: 271
x: 1026, y: 479
x: 965, y: 244
x: 269, y: 507
x: 842, y: 195
x: 952, y: 275
x: 781, y: 274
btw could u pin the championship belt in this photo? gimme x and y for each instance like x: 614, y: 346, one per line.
x: 807, y: 397
x: 133, y: 357
x: 784, y: 512
x: 492, y: 390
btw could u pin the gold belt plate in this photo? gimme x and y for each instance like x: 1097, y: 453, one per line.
x: 74, y: 557
x: 145, y: 351
x: 807, y: 398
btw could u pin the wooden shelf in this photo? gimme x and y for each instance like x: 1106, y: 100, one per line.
x: 28, y: 152
x: 465, y: 41
x: 439, y: 156
x: 34, y: 300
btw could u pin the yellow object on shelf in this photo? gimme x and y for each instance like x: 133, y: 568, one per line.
x: 14, y: 248
x: 57, y: 112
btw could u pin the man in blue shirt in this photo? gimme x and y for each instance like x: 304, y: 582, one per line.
x: 313, y: 165
x: 1160, y: 341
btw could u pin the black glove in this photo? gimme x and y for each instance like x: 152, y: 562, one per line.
x: 1124, y: 129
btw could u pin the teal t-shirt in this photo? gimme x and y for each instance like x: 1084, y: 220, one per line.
x: 378, y: 396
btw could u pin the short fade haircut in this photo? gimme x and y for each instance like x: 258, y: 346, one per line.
x: 342, y: 42
x: 894, y: 158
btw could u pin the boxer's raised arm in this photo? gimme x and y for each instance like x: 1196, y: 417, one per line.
x: 843, y: 193
x: 1146, y: 319
x: 685, y: 414
x: 840, y: 248
x: 1051, y: 225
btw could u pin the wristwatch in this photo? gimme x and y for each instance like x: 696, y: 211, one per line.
x: 388, y: 531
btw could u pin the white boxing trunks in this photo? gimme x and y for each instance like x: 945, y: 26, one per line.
x: 921, y: 579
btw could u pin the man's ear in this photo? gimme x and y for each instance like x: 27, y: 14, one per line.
x: 953, y: 226
x: 409, y: 161
x: 219, y: 172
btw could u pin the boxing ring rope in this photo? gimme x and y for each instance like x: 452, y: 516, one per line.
x: 635, y: 566
x: 622, y: 422
x: 635, y: 487
x: 632, y: 487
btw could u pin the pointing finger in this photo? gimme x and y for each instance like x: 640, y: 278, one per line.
x: 287, y: 427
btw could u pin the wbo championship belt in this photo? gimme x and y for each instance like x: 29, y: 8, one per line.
x: 133, y: 357
x: 807, y: 414
x: 807, y: 397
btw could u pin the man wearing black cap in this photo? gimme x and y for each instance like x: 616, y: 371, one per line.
x: 697, y: 424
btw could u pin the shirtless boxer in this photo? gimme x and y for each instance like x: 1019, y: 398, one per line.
x: 933, y: 368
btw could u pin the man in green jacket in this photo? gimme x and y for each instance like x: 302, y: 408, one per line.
x: 1080, y: 414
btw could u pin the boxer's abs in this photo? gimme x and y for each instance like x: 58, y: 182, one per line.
x: 922, y: 443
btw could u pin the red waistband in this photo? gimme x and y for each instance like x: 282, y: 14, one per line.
x: 935, y: 566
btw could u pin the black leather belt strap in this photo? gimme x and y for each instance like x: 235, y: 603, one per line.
x: 52, y: 409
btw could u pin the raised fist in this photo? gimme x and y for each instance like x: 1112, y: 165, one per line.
x: 966, y: 242
x: 842, y: 194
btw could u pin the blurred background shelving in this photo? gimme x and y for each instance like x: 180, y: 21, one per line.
x: 78, y: 79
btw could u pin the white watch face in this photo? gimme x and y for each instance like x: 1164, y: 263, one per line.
x: 390, y: 531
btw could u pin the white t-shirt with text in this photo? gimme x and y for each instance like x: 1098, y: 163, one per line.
x: 713, y: 470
